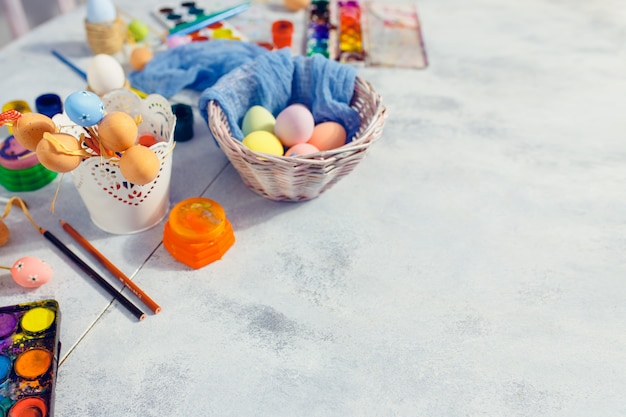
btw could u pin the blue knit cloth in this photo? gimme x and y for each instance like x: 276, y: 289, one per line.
x: 239, y: 75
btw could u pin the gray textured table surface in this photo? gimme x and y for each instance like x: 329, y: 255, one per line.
x: 472, y: 265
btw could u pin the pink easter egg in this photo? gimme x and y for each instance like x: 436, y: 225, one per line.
x: 177, y: 40
x: 294, y: 124
x: 31, y: 272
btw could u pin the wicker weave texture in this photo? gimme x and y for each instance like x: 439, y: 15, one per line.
x: 106, y: 38
x: 301, y: 178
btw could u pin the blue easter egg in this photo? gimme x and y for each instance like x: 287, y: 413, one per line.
x: 100, y: 11
x: 84, y: 108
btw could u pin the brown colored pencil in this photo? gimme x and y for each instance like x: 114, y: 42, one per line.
x: 111, y: 268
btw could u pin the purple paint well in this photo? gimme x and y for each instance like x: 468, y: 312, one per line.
x: 8, y: 322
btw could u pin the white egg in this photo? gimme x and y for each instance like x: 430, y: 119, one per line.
x: 105, y: 74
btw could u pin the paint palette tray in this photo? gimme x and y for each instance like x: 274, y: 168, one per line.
x: 29, y: 351
x: 394, y: 35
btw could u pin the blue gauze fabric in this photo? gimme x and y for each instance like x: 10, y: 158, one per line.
x: 239, y: 75
x: 276, y: 80
x: 196, y: 65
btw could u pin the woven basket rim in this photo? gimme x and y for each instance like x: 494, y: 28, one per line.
x: 362, y: 139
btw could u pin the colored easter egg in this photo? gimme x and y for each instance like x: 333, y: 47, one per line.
x: 301, y: 149
x: 177, y: 40
x: 138, y: 29
x: 5, y: 233
x: 84, y: 108
x: 265, y: 142
x: 100, y: 11
x: 31, y: 272
x: 328, y: 135
x: 117, y: 131
x: 29, y: 129
x: 294, y: 124
x: 257, y: 118
x: 295, y: 5
x: 59, y: 152
x: 104, y: 74
x: 139, y: 57
x: 139, y: 165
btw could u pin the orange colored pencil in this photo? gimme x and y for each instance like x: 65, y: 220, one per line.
x: 111, y: 268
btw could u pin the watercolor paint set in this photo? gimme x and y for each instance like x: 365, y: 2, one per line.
x: 29, y: 352
x: 365, y: 33
x: 183, y: 14
x: 335, y: 30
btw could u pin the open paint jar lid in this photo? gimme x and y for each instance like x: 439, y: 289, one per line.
x: 197, y: 232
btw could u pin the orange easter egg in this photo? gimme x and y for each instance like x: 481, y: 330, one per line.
x: 59, y: 152
x: 117, y: 131
x: 140, y: 57
x: 139, y: 165
x: 5, y: 234
x: 328, y: 135
x: 29, y: 129
x: 295, y: 5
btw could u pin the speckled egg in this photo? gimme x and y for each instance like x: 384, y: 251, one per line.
x: 294, y: 124
x: 31, y: 272
x: 59, y: 152
x: 29, y: 129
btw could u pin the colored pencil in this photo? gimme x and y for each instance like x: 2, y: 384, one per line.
x: 207, y: 20
x: 70, y: 64
x: 111, y: 267
x: 93, y: 274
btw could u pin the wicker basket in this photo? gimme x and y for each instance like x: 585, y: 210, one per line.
x: 300, y: 178
x: 106, y: 38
